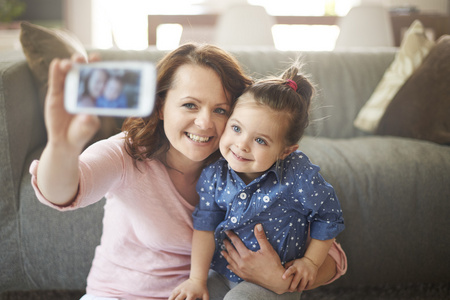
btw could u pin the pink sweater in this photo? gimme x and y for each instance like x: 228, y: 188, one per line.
x: 147, y: 227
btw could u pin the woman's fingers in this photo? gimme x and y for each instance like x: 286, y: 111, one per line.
x: 78, y: 58
x: 262, y: 238
x: 57, y: 74
x: 239, y: 248
x: 94, y: 57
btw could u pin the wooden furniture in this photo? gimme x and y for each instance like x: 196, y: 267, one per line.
x: 439, y: 23
x: 210, y: 20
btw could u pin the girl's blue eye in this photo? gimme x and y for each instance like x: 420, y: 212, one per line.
x: 236, y: 128
x: 261, y: 141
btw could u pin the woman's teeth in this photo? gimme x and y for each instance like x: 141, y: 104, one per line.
x: 197, y: 138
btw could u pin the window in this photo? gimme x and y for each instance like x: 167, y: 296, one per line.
x: 125, y: 26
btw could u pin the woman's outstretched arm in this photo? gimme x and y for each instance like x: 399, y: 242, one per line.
x: 57, y: 174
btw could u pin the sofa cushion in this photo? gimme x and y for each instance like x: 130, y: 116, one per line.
x: 393, y: 201
x: 421, y: 107
x: 414, y: 48
x: 40, y: 46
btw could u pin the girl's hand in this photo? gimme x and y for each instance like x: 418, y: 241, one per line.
x: 302, y: 273
x: 191, y: 289
x: 262, y: 267
x: 64, y: 129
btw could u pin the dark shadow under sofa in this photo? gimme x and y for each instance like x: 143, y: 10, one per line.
x: 394, y: 191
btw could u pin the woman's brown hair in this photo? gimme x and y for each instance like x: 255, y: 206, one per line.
x: 145, y: 137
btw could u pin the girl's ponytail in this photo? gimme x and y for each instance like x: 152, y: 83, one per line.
x: 303, y: 85
x: 290, y: 93
x: 305, y: 90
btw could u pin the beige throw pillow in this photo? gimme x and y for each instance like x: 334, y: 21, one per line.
x: 41, y: 45
x: 414, y: 48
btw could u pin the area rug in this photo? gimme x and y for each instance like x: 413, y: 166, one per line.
x: 388, y: 292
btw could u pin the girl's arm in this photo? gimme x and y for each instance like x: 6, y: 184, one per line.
x: 203, y: 247
x: 57, y: 174
x: 305, y: 269
x: 326, y: 273
x: 317, y: 251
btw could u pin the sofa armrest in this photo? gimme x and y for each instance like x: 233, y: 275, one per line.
x: 22, y: 126
x: 21, y: 131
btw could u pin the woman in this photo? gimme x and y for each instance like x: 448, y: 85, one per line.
x: 94, y: 84
x: 148, y: 175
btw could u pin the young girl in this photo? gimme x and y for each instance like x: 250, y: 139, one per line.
x: 263, y: 179
x: 113, y: 95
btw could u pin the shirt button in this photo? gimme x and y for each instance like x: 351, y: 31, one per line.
x: 243, y: 196
x: 233, y: 220
x: 266, y: 199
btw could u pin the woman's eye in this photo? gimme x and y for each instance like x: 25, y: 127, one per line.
x: 220, y: 111
x: 189, y: 105
x: 261, y: 141
x: 236, y: 128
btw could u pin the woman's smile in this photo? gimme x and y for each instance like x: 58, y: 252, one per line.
x: 198, y: 138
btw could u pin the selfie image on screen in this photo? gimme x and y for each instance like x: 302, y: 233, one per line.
x: 108, y: 88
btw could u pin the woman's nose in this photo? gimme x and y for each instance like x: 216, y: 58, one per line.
x: 203, y: 120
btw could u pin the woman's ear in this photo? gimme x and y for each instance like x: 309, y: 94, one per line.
x: 288, y: 150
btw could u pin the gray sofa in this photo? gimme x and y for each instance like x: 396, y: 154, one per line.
x: 395, y: 192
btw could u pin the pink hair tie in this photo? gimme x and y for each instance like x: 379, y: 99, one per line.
x: 292, y: 84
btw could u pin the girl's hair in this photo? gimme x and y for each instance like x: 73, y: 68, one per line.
x: 145, y: 137
x: 279, y: 94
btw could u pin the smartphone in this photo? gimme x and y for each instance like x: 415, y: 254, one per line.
x: 114, y: 88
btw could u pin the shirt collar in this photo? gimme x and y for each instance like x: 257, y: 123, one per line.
x: 277, y: 169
